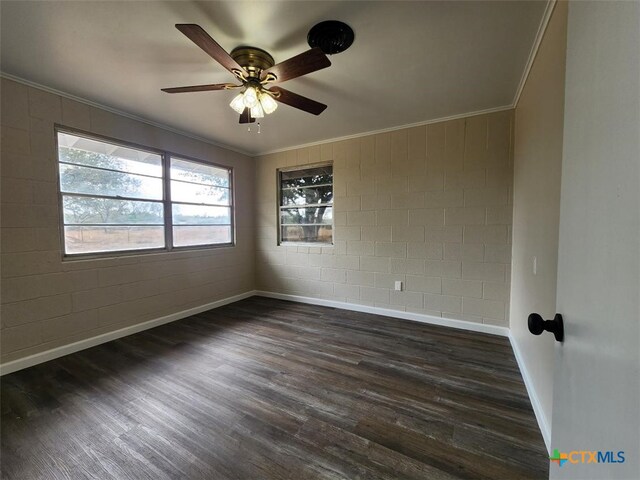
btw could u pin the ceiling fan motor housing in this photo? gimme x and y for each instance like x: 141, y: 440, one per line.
x: 254, y: 60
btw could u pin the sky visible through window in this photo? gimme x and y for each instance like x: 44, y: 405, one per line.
x: 306, y: 205
x: 113, y: 198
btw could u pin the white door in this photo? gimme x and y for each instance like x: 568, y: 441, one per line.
x: 596, y: 404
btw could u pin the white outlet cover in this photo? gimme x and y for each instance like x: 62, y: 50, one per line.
x: 399, y: 285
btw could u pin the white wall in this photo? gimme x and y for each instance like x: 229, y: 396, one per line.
x: 536, y: 210
x: 596, y: 404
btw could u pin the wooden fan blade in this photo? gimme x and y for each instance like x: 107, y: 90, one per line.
x: 245, y: 117
x: 298, y: 101
x: 306, y: 62
x: 199, y: 88
x: 197, y: 35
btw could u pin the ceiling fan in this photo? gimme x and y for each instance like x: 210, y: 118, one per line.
x: 255, y: 69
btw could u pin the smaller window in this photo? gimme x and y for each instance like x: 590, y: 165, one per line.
x: 200, y: 204
x: 306, y: 205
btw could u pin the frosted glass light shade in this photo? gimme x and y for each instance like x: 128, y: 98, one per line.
x: 257, y: 111
x: 250, y: 97
x: 268, y: 103
x: 238, y: 103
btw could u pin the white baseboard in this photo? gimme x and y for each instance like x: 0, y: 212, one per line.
x: 543, y: 422
x: 415, y: 317
x: 47, y: 355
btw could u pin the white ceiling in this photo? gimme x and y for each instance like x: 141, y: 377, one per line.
x: 411, y: 61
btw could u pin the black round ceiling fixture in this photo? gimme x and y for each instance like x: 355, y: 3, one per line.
x: 331, y: 36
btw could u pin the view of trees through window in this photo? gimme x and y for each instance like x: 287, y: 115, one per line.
x: 113, y: 198
x: 306, y: 205
x: 201, y: 203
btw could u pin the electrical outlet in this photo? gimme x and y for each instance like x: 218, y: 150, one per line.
x: 535, y: 265
x: 399, y: 286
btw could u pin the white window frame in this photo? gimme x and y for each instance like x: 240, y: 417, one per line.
x: 279, y: 205
x: 169, y: 219
x: 166, y: 157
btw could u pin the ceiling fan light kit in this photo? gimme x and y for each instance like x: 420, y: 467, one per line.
x: 255, y: 69
x: 269, y: 105
x: 238, y: 103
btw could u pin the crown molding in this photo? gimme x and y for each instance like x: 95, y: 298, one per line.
x: 532, y: 56
x: 542, y: 28
x: 390, y: 129
x: 91, y: 103
x: 233, y: 149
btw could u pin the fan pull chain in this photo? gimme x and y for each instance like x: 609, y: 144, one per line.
x: 249, y: 127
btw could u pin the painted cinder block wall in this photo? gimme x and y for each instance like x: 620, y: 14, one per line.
x: 47, y: 302
x: 428, y: 205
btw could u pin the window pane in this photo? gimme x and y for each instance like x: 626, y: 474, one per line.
x: 300, y: 216
x: 95, y: 153
x: 307, y: 233
x: 302, y: 191
x: 307, y: 196
x: 109, y: 239
x: 113, y: 198
x: 196, y: 172
x: 200, y: 215
x: 189, y: 192
x: 91, y: 181
x: 107, y: 210
x: 201, y: 235
x: 307, y: 176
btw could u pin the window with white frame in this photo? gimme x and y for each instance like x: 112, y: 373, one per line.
x: 306, y: 205
x: 200, y: 203
x: 120, y: 198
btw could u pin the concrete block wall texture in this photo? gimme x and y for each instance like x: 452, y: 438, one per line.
x: 47, y: 302
x: 429, y: 206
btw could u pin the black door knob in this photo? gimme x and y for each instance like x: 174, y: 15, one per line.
x: 537, y: 325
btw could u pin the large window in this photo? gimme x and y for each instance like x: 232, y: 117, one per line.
x: 117, y: 198
x: 306, y: 205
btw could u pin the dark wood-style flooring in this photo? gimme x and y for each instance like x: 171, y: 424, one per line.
x: 267, y: 389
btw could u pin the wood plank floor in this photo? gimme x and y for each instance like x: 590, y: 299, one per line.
x: 266, y: 389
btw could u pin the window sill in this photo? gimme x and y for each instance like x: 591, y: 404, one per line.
x: 302, y: 244
x: 76, y: 257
